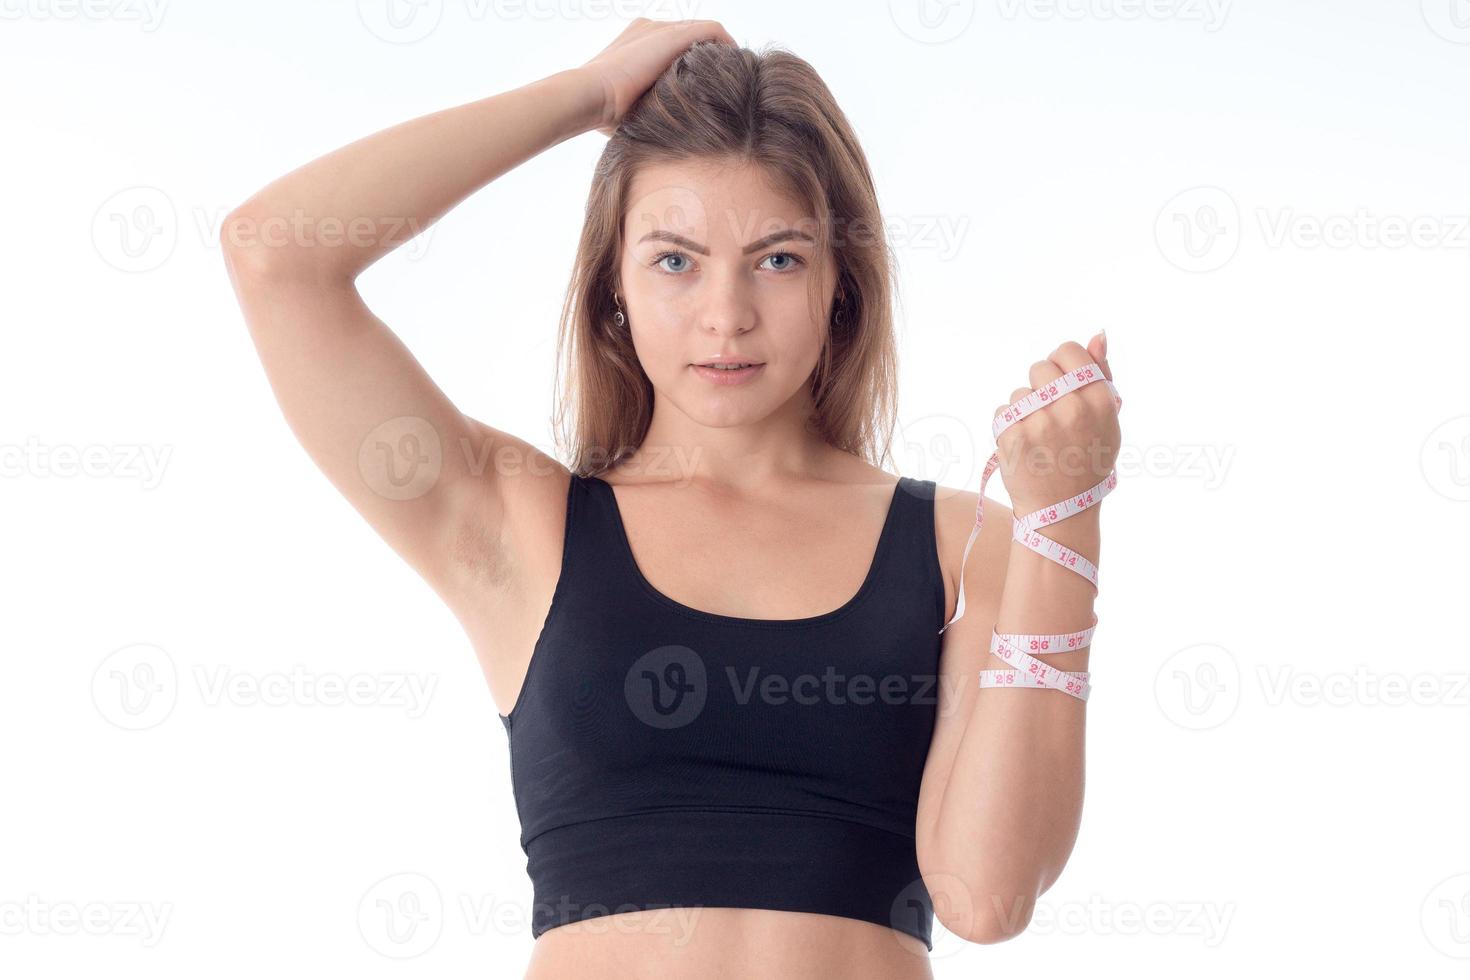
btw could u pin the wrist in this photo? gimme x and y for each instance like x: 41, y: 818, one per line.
x: 1080, y: 532
x: 586, y: 95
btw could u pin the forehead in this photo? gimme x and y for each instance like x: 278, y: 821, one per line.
x: 711, y: 201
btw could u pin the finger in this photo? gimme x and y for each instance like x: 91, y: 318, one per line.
x: 706, y: 29
x: 723, y: 34
x: 1044, y: 373
x: 1070, y: 356
x: 1097, y: 350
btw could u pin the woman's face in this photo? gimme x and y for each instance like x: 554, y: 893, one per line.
x: 717, y: 265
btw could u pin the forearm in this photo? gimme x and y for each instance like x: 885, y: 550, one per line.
x: 338, y: 214
x: 1013, y: 801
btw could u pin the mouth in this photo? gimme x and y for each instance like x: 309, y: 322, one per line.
x: 729, y: 365
x: 728, y: 372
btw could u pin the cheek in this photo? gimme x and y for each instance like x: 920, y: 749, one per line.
x: 657, y: 346
x: 659, y: 308
x: 801, y: 344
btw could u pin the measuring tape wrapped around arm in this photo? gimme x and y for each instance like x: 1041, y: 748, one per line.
x: 1017, y: 649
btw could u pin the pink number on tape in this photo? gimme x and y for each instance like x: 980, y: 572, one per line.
x: 1016, y: 649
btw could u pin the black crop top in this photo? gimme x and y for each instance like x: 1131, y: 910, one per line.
x: 664, y: 756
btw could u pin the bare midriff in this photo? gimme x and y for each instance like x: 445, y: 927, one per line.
x: 727, y: 944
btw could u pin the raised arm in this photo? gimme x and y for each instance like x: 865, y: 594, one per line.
x: 425, y: 476
x: 358, y: 401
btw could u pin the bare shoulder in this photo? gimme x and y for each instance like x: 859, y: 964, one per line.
x: 954, y: 519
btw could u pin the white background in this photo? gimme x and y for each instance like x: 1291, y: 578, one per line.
x: 1283, y: 548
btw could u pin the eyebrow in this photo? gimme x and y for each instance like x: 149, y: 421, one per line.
x: 787, y: 234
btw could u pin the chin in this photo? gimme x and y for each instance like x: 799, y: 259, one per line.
x: 723, y: 408
x: 726, y: 416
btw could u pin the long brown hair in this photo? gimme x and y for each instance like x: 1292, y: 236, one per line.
x: 722, y: 103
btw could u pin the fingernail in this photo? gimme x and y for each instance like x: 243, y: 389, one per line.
x: 1104, y: 335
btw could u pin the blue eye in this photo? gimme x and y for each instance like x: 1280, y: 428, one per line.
x: 657, y: 262
x: 787, y: 255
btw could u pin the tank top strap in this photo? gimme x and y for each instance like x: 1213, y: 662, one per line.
x: 592, y: 547
x: 912, y: 565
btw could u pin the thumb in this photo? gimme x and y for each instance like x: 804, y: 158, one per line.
x: 1098, y: 348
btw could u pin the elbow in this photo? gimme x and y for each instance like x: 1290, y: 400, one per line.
x: 258, y: 244
x: 245, y: 251
x: 992, y: 931
x: 986, y: 928
x: 981, y: 912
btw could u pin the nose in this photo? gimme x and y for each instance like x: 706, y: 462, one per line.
x: 725, y: 307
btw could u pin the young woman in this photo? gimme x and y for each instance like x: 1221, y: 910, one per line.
x: 742, y: 740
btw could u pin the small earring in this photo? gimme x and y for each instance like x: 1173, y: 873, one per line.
x: 618, y: 317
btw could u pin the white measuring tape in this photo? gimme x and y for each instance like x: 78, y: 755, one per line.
x: 1016, y: 649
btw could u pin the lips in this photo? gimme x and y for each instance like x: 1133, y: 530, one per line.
x: 727, y: 375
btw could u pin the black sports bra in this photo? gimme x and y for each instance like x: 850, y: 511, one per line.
x: 665, y: 756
